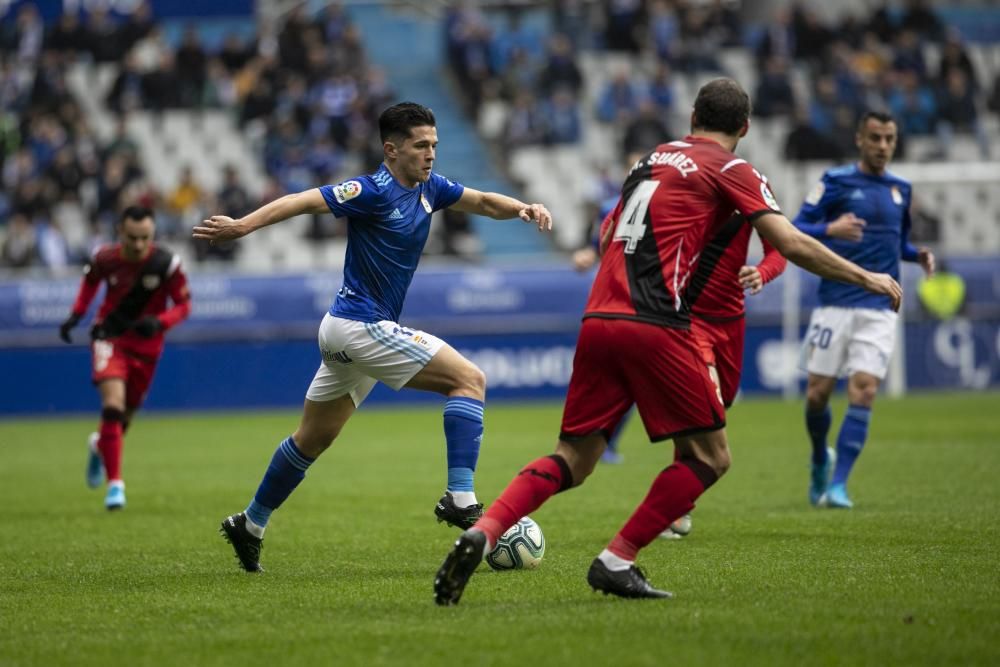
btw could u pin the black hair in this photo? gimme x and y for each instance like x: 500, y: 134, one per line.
x: 397, y: 121
x: 721, y: 106
x: 135, y: 213
x: 880, y: 116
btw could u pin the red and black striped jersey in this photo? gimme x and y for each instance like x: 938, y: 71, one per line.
x: 135, y: 289
x: 714, y: 291
x: 674, y: 201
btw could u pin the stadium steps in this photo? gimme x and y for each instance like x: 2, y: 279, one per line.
x: 409, y: 48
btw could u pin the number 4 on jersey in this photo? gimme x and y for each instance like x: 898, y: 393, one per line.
x: 630, y: 224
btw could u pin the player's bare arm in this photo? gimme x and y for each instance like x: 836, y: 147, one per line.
x: 501, y: 207
x: 925, y: 258
x: 816, y: 258
x: 224, y: 228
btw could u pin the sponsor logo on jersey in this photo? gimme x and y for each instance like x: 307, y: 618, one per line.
x: 395, y: 215
x: 427, y: 204
x: 769, y: 199
x: 897, y: 196
x: 151, y: 281
x: 347, y: 190
x: 815, y: 194
x: 857, y: 194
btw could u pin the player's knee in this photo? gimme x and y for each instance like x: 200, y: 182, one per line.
x: 722, y: 460
x: 816, y: 398
x: 863, y: 393
x: 313, y: 442
x: 473, y: 381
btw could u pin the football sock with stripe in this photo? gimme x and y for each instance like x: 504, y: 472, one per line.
x: 109, y: 442
x: 671, y: 496
x: 537, y: 482
x: 850, y: 442
x: 463, y: 432
x: 287, y: 468
x: 818, y: 426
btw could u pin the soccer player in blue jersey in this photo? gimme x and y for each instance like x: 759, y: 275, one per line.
x: 861, y: 212
x: 361, y: 341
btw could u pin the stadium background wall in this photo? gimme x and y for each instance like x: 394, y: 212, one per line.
x: 251, y: 341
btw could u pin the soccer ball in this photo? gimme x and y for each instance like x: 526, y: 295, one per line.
x: 521, y: 547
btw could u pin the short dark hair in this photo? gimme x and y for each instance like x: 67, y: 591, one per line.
x: 399, y: 119
x: 721, y: 106
x: 880, y: 116
x: 135, y: 213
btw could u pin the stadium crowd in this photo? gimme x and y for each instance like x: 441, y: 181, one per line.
x: 534, y: 94
x: 304, y: 92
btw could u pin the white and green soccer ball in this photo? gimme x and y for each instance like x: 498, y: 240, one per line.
x: 521, y: 547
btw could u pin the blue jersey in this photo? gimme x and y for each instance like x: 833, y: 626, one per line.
x: 883, y: 202
x: 387, y: 228
x: 606, y: 207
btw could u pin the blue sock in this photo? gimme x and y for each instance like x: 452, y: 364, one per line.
x: 463, y: 430
x: 288, y: 468
x: 853, y: 433
x: 818, y: 425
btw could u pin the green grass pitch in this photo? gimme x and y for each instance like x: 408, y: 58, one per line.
x: 911, y: 576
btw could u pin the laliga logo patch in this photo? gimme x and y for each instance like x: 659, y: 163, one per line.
x: 816, y: 194
x: 151, y: 282
x: 769, y: 199
x: 346, y: 191
x: 897, y: 196
x: 427, y: 204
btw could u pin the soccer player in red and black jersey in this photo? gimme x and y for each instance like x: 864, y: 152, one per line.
x: 127, y: 336
x: 636, y: 346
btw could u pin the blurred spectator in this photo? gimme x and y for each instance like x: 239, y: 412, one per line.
x: 957, y: 113
x: 909, y: 54
x: 661, y: 89
x: 646, y: 131
x: 954, y: 56
x: 19, y: 248
x: 192, y: 68
x: 922, y: 20
x: 622, y: 22
x: 185, y: 204
x: 53, y: 250
x: 619, y: 100
x: 778, y: 38
x: 126, y: 93
x: 806, y: 143
x: 774, y: 95
x: 913, y: 105
x: 560, y: 70
x: 664, y: 31
x: 526, y: 124
x: 563, y: 117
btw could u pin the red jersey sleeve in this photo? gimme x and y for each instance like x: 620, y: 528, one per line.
x: 747, y: 189
x: 177, y: 287
x: 773, y: 263
x: 93, y: 273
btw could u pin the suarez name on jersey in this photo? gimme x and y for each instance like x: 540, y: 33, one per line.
x: 674, y: 201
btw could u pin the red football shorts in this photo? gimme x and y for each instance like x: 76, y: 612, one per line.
x: 111, y: 361
x: 721, y: 345
x: 621, y: 362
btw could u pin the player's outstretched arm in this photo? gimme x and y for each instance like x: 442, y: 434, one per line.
x: 816, y: 258
x: 224, y: 228
x: 501, y: 207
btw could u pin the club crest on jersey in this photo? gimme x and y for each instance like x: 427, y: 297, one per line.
x: 346, y: 191
x: 897, y: 196
x: 769, y: 199
x: 151, y: 281
x: 427, y: 204
x: 815, y: 194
